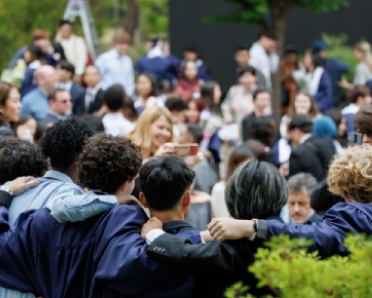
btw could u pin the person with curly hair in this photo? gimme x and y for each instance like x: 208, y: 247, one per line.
x: 20, y: 158
x: 104, y: 254
x: 350, y: 177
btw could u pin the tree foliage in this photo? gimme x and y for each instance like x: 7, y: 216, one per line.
x: 155, y: 17
x: 290, y: 271
x: 262, y: 12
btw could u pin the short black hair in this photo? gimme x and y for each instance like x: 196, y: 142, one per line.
x: 256, y: 190
x: 242, y: 47
x: 64, y: 64
x: 176, y: 104
x: 20, y: 158
x: 244, y: 69
x: 64, y: 22
x: 302, y: 122
x: 195, y: 131
x: 258, y: 91
x: 107, y: 162
x: 93, y: 122
x: 114, y: 97
x: 64, y: 141
x: 164, y: 180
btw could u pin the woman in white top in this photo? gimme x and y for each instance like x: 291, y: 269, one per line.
x: 239, y: 100
x: 238, y: 156
x: 363, y: 70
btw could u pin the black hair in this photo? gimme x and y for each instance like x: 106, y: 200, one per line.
x: 20, y: 158
x: 207, y: 94
x: 244, y: 69
x: 107, y: 162
x: 267, y: 34
x: 263, y: 129
x: 196, y: 131
x: 36, y: 51
x: 164, y: 180
x: 114, y: 97
x: 93, y: 122
x: 64, y: 22
x: 317, y: 60
x: 128, y: 106
x: 176, y: 104
x: 256, y: 190
x: 258, y: 91
x: 336, y: 115
x: 64, y: 141
x: 242, y: 47
x: 153, y: 83
x: 302, y: 122
x: 64, y: 64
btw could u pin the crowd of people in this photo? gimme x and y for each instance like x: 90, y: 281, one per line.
x: 115, y: 144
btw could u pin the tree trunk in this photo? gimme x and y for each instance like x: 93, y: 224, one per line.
x: 132, y: 17
x: 279, y: 26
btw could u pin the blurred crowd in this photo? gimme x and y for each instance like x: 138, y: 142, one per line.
x: 55, y: 96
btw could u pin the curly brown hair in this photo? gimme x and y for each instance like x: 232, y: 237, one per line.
x: 351, y: 174
x: 106, y: 162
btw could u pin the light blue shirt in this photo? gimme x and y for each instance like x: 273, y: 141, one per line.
x: 116, y: 69
x: 35, y: 103
x: 54, y: 186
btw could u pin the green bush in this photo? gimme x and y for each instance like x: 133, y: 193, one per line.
x: 338, y: 49
x: 290, y: 271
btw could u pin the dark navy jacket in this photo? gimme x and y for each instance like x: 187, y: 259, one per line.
x: 55, y: 260
x: 163, y: 68
x: 330, y: 233
x: 324, y: 96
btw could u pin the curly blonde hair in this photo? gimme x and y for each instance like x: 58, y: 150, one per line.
x: 351, y: 174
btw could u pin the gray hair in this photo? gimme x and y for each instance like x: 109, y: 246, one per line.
x: 256, y: 190
x: 302, y: 180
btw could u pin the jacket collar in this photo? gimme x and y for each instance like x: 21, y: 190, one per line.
x: 176, y: 225
x: 56, y: 175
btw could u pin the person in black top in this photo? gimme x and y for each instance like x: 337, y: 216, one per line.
x: 256, y: 189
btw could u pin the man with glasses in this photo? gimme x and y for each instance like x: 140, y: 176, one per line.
x: 60, y: 106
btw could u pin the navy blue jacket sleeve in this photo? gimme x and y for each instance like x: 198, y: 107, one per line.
x: 124, y: 265
x: 16, y: 251
x: 330, y: 233
x: 324, y: 97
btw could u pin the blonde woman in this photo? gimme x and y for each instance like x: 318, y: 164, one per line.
x: 363, y: 71
x: 153, y: 132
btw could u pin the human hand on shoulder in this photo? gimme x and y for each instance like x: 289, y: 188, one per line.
x: 231, y: 229
x: 150, y: 225
x: 22, y: 184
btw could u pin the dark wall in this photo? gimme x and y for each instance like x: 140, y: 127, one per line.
x: 216, y: 42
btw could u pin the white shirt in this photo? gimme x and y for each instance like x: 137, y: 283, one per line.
x: 263, y: 61
x: 350, y: 109
x: 115, y: 124
x: 76, y: 52
x: 116, y: 69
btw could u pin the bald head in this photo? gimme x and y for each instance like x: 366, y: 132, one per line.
x: 46, y: 78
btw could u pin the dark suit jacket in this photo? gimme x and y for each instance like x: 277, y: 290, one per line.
x: 77, y: 96
x: 216, y: 265
x: 94, y: 106
x: 313, y: 156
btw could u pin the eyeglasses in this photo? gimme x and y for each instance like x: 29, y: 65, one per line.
x: 65, y: 101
